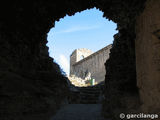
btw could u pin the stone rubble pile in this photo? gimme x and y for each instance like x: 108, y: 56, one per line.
x: 77, y: 81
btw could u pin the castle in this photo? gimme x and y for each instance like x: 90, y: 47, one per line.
x: 86, y: 64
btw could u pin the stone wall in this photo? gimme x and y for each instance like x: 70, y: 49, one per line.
x: 77, y: 55
x: 93, y: 64
x: 148, y: 56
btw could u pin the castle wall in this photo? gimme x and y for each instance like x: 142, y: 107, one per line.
x: 94, y: 64
x: 76, y: 56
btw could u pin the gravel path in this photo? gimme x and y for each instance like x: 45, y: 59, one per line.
x: 79, y: 112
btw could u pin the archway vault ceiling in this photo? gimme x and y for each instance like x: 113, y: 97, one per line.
x: 43, y: 13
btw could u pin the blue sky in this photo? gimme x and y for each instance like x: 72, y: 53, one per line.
x: 87, y: 29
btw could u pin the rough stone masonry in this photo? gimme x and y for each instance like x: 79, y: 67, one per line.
x: 86, y: 64
x: 30, y: 83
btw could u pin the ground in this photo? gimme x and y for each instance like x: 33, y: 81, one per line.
x: 79, y: 112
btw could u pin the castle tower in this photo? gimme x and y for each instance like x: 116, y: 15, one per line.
x: 78, y: 55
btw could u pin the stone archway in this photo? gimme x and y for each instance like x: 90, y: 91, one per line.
x: 23, y: 30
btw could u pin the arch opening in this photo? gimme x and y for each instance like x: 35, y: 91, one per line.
x: 82, y: 57
x: 86, y: 35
